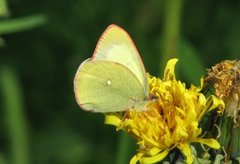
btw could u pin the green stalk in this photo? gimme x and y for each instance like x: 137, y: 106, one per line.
x: 171, y: 30
x: 125, y: 149
x: 14, y: 116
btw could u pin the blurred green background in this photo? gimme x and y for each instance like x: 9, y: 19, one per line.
x: 42, y: 44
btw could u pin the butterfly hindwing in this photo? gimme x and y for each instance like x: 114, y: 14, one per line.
x: 103, y: 86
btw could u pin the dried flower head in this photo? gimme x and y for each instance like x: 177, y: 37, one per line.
x: 225, y: 77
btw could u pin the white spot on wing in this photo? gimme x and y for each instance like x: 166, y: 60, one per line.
x: 109, y: 82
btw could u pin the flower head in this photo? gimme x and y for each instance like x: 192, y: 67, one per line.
x: 172, y: 121
x: 225, y: 77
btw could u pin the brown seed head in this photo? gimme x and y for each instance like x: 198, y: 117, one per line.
x: 225, y: 77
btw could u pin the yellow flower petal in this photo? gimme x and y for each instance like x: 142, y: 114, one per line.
x: 212, y: 103
x: 209, y: 142
x: 156, y: 158
x: 216, y: 102
x: 112, y: 120
x: 151, y: 159
x: 154, y: 151
x: 186, y: 150
x: 136, y: 158
x: 169, y: 70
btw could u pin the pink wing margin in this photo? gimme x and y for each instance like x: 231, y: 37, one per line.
x: 130, y: 39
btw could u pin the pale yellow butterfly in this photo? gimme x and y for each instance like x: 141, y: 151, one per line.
x: 114, y: 79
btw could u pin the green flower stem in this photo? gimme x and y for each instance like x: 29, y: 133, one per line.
x: 171, y: 30
x: 14, y: 116
x: 125, y: 149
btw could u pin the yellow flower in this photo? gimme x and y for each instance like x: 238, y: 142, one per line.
x: 170, y: 122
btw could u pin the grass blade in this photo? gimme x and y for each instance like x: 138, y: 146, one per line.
x: 21, y: 24
x: 14, y: 116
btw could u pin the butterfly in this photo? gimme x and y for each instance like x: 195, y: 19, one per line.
x: 114, y: 78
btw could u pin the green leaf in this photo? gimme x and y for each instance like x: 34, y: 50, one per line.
x: 190, y: 64
x: 21, y: 24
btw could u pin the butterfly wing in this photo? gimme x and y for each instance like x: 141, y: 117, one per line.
x: 102, y: 86
x: 116, y: 45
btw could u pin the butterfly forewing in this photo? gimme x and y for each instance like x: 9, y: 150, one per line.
x: 116, y: 45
